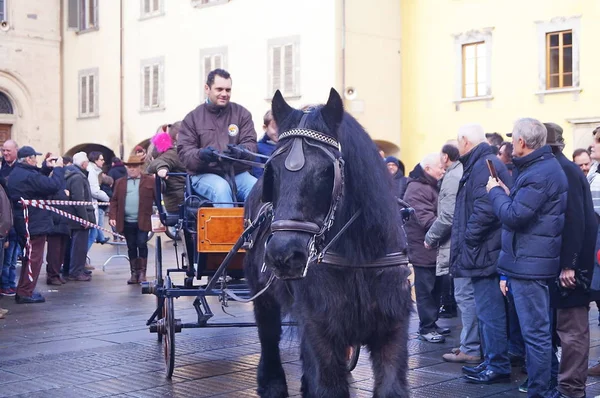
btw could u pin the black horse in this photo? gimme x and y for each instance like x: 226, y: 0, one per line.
x: 334, y: 222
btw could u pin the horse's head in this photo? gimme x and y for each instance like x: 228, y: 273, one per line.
x: 304, y: 181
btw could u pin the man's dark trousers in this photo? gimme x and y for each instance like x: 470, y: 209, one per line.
x: 31, y: 267
x: 428, y: 293
x: 491, y: 313
x: 573, y: 328
x: 79, y: 241
x: 532, y: 302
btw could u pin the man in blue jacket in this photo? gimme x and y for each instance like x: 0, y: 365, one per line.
x: 474, y: 252
x: 533, y: 218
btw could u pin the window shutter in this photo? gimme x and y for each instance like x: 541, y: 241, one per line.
x: 276, y: 69
x: 146, y: 87
x: 156, y: 6
x: 93, y: 13
x: 2, y: 14
x: 288, y: 80
x: 218, y: 61
x: 83, y: 95
x: 73, y: 14
x: 207, y: 66
x: 91, y: 98
x: 155, y: 80
x: 146, y: 9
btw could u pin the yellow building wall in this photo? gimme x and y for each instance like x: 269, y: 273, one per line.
x: 429, y: 115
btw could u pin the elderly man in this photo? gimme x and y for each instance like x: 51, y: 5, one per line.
x: 8, y: 284
x: 27, y: 181
x: 422, y: 195
x: 533, y: 217
x: 581, y: 158
x: 218, y: 126
x: 476, y: 235
x: 439, y: 236
x: 399, y: 180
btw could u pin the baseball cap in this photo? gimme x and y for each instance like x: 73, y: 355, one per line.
x: 26, y: 152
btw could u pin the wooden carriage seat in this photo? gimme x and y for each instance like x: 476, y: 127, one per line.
x: 219, y: 228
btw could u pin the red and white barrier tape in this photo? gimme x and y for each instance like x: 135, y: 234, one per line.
x: 33, y: 202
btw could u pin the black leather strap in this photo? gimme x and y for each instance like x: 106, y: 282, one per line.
x: 390, y: 260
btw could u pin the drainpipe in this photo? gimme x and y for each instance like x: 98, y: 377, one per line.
x: 61, y: 94
x: 343, y: 45
x: 121, y: 77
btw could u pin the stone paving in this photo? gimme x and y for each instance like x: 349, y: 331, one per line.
x: 90, y: 340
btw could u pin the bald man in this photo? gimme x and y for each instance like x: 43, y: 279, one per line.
x: 11, y: 252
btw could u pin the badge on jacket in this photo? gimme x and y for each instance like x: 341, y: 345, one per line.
x: 233, y: 130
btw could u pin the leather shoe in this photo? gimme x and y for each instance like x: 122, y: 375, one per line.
x: 488, y: 377
x: 594, y: 371
x: 442, y: 331
x: 33, y: 299
x: 474, y: 370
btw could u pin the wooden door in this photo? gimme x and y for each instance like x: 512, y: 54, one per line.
x: 4, y: 133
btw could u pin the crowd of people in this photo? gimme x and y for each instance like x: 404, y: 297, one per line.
x: 508, y: 233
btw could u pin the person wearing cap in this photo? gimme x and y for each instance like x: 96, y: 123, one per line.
x: 399, y: 180
x: 130, y: 214
x: 218, y: 126
x: 532, y: 214
x: 27, y: 181
x: 79, y: 189
x: 570, y: 298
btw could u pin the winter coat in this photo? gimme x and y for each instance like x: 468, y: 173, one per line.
x: 98, y: 195
x: 61, y: 224
x: 28, y: 182
x: 421, y: 195
x: 578, y: 236
x: 476, y: 231
x: 208, y: 125
x: 265, y: 147
x: 117, y: 171
x: 117, y: 203
x: 175, y: 186
x: 78, y: 186
x: 533, y: 217
x: 439, y: 233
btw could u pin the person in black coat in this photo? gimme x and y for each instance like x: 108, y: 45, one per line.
x: 568, y: 293
x: 399, y: 180
x: 28, y: 182
x: 117, y: 170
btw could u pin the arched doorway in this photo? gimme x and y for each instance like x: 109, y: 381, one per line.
x: 89, y: 147
x: 6, y: 108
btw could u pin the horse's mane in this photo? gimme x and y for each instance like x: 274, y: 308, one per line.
x: 367, y: 187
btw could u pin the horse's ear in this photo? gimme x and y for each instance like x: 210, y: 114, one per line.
x: 333, y: 111
x: 280, y: 108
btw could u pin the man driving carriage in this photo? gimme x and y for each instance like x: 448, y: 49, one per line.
x: 218, y: 126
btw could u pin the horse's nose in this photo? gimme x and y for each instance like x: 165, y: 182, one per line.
x: 287, y: 254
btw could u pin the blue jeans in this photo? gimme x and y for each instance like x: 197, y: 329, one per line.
x: 100, y: 233
x: 469, y: 336
x: 9, y: 265
x: 217, y: 189
x: 516, y: 345
x: 491, y: 312
x: 92, y: 238
x: 532, y: 302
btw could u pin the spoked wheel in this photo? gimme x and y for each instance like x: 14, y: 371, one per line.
x: 352, y: 354
x: 160, y: 301
x: 169, y: 330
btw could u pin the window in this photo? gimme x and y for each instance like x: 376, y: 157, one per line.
x: 83, y: 15
x: 473, y: 52
x: 284, y: 66
x: 151, y: 8
x: 88, y: 93
x: 559, y: 59
x: 210, y: 59
x: 474, y: 64
x: 206, y: 3
x: 3, y: 16
x: 152, y: 84
x: 558, y: 54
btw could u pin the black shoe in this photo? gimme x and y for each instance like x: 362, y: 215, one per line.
x: 103, y: 241
x: 516, y: 360
x: 33, y: 299
x: 442, y: 331
x: 488, y: 377
x: 474, y: 370
x: 87, y: 272
x: 447, y: 311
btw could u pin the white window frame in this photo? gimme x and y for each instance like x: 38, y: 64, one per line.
x: 556, y: 25
x: 78, y: 16
x: 149, y: 105
x: 208, y: 3
x: 4, y: 11
x: 212, y: 53
x: 87, y: 113
x: 294, y: 92
x: 471, y: 37
x: 160, y: 11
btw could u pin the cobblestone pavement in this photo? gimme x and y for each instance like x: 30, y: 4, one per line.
x: 90, y: 340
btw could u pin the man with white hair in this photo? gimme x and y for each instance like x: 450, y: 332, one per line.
x: 422, y: 195
x: 533, y: 217
x: 474, y: 252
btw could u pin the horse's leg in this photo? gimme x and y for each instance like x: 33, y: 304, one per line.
x: 389, y: 355
x: 270, y: 374
x: 324, y: 372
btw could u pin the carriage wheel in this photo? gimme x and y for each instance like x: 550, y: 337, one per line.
x: 352, y: 355
x: 169, y: 338
x: 160, y: 301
